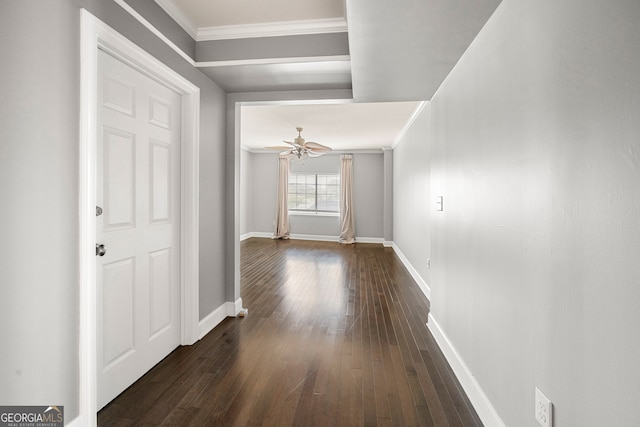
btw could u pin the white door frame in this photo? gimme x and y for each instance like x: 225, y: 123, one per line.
x: 96, y: 35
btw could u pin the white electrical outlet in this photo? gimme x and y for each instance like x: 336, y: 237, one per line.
x: 544, y: 410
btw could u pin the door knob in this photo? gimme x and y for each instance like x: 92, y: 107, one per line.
x: 100, y: 250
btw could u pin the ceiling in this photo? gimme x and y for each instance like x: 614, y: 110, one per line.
x: 324, y: 75
x: 342, y: 126
x: 215, y: 13
x: 390, y: 57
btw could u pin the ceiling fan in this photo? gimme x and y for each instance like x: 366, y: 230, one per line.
x: 300, y: 149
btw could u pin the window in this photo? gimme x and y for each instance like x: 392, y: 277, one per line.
x: 314, y: 192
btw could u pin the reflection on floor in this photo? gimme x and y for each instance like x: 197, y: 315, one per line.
x: 335, y: 335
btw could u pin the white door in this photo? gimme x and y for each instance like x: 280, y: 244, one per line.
x: 138, y: 190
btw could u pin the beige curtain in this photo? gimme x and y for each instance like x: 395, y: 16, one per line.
x: 282, y: 208
x: 347, y: 223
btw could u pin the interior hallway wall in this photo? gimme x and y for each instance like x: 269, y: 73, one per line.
x: 412, y: 200
x: 39, y: 169
x: 263, y: 187
x: 536, y: 150
x: 246, y: 191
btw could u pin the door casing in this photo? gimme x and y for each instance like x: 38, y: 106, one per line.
x: 96, y: 35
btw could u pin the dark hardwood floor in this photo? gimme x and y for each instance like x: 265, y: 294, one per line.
x: 335, y: 336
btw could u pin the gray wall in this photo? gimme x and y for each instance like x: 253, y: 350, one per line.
x: 534, y: 146
x: 170, y: 28
x: 246, y: 191
x: 368, y: 194
x: 387, y: 196
x: 39, y: 190
x: 39, y: 87
x: 308, y: 45
x: 262, y: 189
x: 368, y: 179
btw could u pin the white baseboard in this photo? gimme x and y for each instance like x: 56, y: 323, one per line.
x: 322, y: 238
x: 414, y: 273
x: 212, y: 320
x: 251, y: 234
x: 228, y: 309
x: 318, y: 237
x: 233, y: 308
x: 379, y: 240
x: 479, y: 400
x: 76, y: 422
x: 387, y: 244
x: 265, y: 235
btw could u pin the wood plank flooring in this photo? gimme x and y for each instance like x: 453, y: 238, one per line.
x: 335, y: 336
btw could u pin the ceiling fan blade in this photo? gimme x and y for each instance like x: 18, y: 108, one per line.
x: 292, y: 143
x: 315, y: 147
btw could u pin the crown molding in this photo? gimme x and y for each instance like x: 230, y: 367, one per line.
x: 272, y: 29
x: 123, y: 4
x: 409, y: 123
x: 340, y: 152
x: 177, y: 15
x: 269, y: 61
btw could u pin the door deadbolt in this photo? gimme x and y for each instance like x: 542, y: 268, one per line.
x: 98, y: 211
x: 100, y: 250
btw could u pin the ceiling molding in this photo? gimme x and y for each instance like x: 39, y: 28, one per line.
x: 266, y: 61
x: 177, y: 15
x: 123, y: 4
x: 272, y: 29
x: 332, y: 153
x: 409, y: 123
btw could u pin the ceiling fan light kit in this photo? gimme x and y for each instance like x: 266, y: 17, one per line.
x: 299, y: 150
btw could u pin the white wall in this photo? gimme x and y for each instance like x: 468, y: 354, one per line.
x: 535, y: 146
x: 412, y: 194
